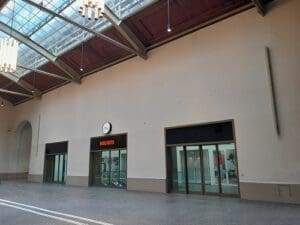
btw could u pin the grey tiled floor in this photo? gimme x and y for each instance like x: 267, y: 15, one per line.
x: 120, y: 207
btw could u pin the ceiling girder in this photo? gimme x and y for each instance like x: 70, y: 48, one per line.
x: 45, y: 73
x: 15, y: 93
x: 22, y: 83
x: 31, y: 44
x: 102, y: 36
x: 260, y: 7
x: 125, y: 31
x: 42, y: 51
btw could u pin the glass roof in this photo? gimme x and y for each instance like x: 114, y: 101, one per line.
x: 53, y: 34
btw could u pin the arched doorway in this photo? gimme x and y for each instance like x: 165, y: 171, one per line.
x: 23, y: 149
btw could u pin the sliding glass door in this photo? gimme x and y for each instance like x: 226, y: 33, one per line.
x: 123, y: 169
x: 194, y: 169
x: 56, y: 168
x: 104, y: 168
x: 206, y: 169
x: 178, y: 169
x: 228, y: 168
x: 211, y: 170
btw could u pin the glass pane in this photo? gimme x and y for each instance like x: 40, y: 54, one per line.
x: 123, y: 168
x: 104, y: 165
x: 65, y: 168
x: 211, y: 173
x: 56, y: 168
x: 228, y: 169
x: 61, y: 168
x: 114, y: 168
x: 178, y: 169
x: 96, y: 168
x: 49, y: 165
x: 194, y: 168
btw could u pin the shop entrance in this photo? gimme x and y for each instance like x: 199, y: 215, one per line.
x: 205, y: 168
x: 55, y: 169
x: 109, y: 168
x: 108, y: 161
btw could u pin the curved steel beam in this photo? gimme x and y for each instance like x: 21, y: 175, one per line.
x: 42, y: 51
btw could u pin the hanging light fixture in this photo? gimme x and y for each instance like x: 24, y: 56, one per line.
x: 91, y: 9
x: 169, y: 29
x: 9, y: 51
x: 8, y: 55
x: 81, y: 58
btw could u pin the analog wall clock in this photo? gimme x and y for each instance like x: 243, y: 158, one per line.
x: 106, y: 128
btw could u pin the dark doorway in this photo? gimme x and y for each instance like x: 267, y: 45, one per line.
x: 56, y: 158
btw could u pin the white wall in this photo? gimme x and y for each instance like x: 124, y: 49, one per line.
x: 15, y: 143
x: 22, y: 149
x: 213, y: 74
x: 6, y: 113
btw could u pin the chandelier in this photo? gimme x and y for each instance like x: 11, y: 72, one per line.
x: 8, y: 54
x: 91, y: 9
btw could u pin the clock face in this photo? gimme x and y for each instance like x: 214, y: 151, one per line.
x: 106, y: 128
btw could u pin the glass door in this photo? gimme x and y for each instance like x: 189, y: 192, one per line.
x: 123, y: 169
x: 49, y: 168
x: 211, y: 170
x: 104, y: 168
x: 178, y: 169
x: 228, y: 169
x: 114, y: 168
x: 56, y: 168
x: 194, y: 169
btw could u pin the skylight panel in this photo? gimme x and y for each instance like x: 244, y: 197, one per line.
x: 53, y: 34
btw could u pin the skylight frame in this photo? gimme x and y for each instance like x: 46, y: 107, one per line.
x: 65, y: 42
